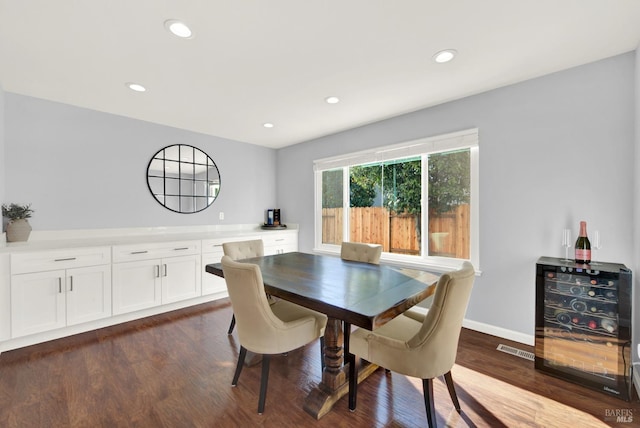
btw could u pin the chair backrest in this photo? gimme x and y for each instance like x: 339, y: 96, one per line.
x: 239, y: 250
x: 360, y: 252
x: 437, y: 339
x: 258, y: 327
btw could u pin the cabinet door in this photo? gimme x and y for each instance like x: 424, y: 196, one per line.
x: 180, y: 278
x: 136, y: 285
x: 88, y: 294
x: 212, y: 283
x: 37, y: 302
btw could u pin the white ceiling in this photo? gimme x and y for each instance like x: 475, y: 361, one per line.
x: 257, y: 61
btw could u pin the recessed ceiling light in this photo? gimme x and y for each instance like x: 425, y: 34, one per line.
x: 332, y: 100
x: 136, y: 87
x: 445, y: 56
x: 178, y: 28
x: 268, y: 125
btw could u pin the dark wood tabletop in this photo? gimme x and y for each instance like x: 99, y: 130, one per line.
x: 361, y: 294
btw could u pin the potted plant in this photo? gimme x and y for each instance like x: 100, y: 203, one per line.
x: 18, y: 228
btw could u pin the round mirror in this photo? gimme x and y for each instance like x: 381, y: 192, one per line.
x: 183, y: 178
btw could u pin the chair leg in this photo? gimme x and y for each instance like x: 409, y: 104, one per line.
x: 322, y: 353
x: 241, y: 357
x: 452, y: 390
x: 266, y: 359
x: 427, y: 387
x: 353, y: 382
x: 233, y: 324
x: 346, y: 337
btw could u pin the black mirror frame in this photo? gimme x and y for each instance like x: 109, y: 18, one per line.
x: 209, y: 198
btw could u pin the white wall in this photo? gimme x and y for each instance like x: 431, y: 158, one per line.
x: 2, y: 126
x: 553, y: 151
x: 86, y: 169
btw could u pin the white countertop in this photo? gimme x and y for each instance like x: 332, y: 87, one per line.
x: 54, y: 239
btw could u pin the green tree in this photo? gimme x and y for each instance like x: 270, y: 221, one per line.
x: 449, y: 180
x: 402, y: 186
x: 363, y: 182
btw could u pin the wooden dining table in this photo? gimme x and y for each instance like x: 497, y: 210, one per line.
x: 349, y: 293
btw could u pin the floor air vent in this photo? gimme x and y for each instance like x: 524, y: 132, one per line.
x: 515, y: 351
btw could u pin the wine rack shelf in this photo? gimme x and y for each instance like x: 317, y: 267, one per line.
x: 583, y: 323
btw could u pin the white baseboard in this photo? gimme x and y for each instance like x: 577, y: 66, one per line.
x: 500, y: 332
x: 488, y: 329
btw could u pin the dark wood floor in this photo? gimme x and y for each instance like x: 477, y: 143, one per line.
x: 175, y: 370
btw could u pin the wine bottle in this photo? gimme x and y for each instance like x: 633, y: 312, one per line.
x: 583, y: 246
x: 578, y: 305
x: 609, y: 325
x: 563, y: 318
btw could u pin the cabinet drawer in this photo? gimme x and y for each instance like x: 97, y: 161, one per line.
x: 280, y: 240
x: 41, y: 261
x: 129, y: 253
x: 214, y: 245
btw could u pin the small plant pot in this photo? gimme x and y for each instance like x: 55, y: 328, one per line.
x: 18, y: 230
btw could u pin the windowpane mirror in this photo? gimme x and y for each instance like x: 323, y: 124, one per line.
x: 183, y: 178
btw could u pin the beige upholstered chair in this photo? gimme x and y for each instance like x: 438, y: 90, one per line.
x: 425, y: 349
x: 263, y: 328
x: 360, y: 252
x: 242, y: 250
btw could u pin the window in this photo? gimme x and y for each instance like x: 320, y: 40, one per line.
x: 417, y: 199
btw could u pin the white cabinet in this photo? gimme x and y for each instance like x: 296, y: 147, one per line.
x: 43, y: 299
x: 84, y: 280
x: 274, y: 243
x: 136, y: 285
x: 148, y: 275
x: 212, y: 253
x: 279, y: 243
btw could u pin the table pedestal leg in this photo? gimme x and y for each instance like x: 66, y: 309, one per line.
x: 334, y: 383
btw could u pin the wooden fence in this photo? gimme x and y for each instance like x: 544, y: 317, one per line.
x: 401, y: 233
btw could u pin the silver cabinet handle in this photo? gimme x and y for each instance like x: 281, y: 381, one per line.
x: 181, y: 248
x: 164, y: 266
x: 65, y: 260
x: 70, y: 282
x: 157, y: 271
x: 59, y: 285
x: 139, y: 252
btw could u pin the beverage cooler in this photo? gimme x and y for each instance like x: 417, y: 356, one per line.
x: 583, y: 324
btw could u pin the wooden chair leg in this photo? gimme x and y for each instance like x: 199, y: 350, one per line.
x: 427, y: 387
x: 452, y: 390
x: 353, y: 382
x: 232, y: 325
x: 321, y: 354
x: 241, y: 357
x: 264, y: 380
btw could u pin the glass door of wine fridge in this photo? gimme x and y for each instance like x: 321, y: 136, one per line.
x: 583, y: 324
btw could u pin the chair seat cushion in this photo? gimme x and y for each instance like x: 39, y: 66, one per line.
x: 395, y: 333
x: 288, y: 312
x: 417, y: 313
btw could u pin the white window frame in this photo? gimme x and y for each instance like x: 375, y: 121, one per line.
x: 423, y: 147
